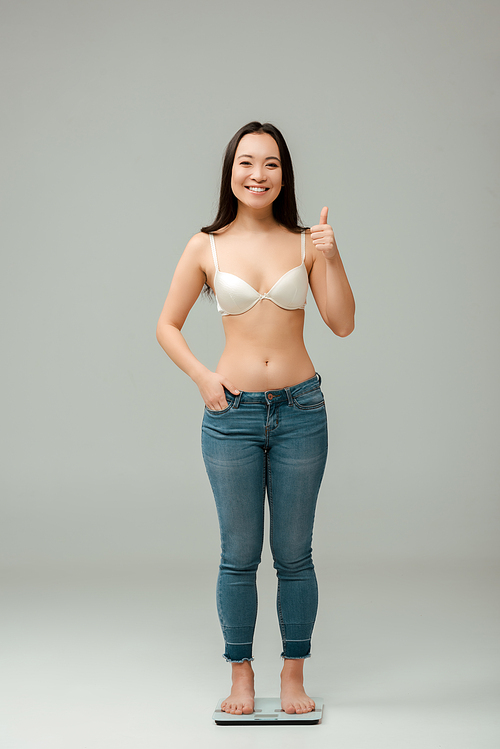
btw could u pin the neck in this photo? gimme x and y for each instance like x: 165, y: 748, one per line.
x: 248, y: 219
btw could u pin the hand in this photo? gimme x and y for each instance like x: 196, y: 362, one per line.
x: 323, y: 237
x: 212, y: 387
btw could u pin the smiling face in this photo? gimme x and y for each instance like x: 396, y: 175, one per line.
x: 256, y: 175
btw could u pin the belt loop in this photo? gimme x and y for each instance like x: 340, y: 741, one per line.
x: 237, y: 400
x: 289, y: 396
x: 319, y: 378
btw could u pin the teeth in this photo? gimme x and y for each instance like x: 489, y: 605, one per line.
x: 257, y: 189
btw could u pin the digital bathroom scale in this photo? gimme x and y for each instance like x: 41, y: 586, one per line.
x: 268, y: 712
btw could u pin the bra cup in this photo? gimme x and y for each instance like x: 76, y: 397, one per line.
x: 233, y: 294
x: 291, y: 290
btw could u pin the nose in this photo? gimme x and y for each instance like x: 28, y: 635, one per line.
x: 258, y: 174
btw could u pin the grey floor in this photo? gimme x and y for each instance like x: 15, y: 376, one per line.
x: 404, y: 656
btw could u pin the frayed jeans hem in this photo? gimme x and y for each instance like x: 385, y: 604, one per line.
x: 229, y: 660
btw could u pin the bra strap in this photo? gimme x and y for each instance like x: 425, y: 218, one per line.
x: 303, y: 245
x: 214, y: 254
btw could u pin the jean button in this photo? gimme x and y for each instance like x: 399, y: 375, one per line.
x: 270, y: 396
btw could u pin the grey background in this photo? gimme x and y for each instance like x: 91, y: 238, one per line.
x: 114, y: 120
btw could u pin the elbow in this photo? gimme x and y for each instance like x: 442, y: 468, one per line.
x: 160, y: 332
x: 341, y: 321
x: 344, y: 332
x: 164, y: 330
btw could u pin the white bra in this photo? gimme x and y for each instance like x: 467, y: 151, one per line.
x: 235, y: 296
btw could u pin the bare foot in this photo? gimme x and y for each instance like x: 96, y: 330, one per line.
x: 241, y: 699
x: 293, y: 696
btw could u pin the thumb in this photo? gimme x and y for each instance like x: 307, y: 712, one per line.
x: 323, y: 219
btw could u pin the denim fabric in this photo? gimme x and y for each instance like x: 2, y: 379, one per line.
x: 276, y: 441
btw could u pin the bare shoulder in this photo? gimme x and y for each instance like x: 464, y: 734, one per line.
x: 198, y: 244
x: 197, y: 250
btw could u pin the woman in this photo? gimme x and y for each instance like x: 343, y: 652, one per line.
x: 264, y: 427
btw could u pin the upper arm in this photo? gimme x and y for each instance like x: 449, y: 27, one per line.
x: 187, y: 282
x: 317, y: 278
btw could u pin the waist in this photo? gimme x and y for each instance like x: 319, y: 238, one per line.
x: 259, y: 372
x: 276, y: 395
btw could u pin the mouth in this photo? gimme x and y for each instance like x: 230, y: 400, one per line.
x: 256, y: 189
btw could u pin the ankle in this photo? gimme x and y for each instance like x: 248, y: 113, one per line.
x: 242, y: 670
x: 297, y: 678
x: 293, y: 670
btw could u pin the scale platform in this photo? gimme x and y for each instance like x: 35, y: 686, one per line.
x: 268, y: 712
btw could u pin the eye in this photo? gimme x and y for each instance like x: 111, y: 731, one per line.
x: 273, y: 165
x: 245, y: 163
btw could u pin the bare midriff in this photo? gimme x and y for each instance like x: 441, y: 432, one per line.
x: 265, y: 348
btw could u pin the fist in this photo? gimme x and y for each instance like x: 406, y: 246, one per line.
x: 323, y: 237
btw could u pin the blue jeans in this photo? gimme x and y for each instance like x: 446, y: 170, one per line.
x: 274, y: 440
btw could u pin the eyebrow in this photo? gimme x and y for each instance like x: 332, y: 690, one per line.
x: 249, y: 156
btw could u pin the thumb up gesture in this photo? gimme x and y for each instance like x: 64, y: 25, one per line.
x: 322, y: 236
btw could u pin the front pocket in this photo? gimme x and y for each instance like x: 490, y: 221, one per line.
x: 218, y: 413
x: 311, y: 399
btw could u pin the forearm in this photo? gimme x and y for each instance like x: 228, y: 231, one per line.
x: 174, y: 344
x: 340, y: 305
